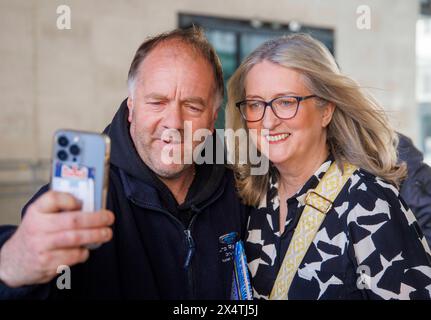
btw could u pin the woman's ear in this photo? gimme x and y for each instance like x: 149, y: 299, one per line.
x: 327, y: 112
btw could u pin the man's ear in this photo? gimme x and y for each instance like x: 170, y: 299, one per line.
x: 327, y: 112
x: 216, y: 114
x: 130, y: 107
x: 214, y: 118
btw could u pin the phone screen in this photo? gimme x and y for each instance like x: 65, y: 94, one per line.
x: 76, y: 180
x: 80, y: 164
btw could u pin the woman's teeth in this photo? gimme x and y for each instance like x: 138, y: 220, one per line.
x: 277, y: 137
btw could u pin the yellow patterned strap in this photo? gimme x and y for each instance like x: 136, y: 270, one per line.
x: 317, y: 203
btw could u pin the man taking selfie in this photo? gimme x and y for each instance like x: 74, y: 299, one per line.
x: 165, y: 228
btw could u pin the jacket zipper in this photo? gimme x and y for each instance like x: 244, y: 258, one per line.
x: 191, y: 248
x: 188, y: 236
x: 190, y: 253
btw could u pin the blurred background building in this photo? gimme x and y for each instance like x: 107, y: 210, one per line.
x: 54, y: 78
x: 423, y: 77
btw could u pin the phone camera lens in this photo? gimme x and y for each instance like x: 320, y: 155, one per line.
x: 62, y: 155
x: 63, y: 141
x: 74, y: 149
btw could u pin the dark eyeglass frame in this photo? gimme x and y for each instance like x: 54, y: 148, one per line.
x: 269, y: 103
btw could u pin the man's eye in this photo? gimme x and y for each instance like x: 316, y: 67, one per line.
x: 194, y: 108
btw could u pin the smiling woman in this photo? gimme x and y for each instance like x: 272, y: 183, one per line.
x: 358, y: 131
x: 329, y: 206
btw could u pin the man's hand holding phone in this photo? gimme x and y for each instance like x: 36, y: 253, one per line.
x: 47, y: 239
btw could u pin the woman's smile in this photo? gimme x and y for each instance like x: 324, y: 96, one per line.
x: 277, y: 138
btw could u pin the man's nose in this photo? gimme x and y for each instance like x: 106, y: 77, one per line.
x: 173, y: 118
x: 270, y: 120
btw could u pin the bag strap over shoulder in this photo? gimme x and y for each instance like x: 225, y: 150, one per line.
x: 317, y: 204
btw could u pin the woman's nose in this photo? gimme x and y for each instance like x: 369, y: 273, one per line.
x: 270, y: 120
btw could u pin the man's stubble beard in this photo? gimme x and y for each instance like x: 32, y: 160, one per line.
x: 149, y: 157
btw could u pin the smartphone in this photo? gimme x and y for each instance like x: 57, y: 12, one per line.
x: 80, y: 166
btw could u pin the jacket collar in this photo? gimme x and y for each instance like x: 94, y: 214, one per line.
x: 312, y: 182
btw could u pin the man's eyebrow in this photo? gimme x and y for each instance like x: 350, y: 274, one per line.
x: 157, y: 96
x: 197, y: 100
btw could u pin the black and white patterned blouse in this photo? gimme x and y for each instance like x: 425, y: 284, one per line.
x: 369, y: 232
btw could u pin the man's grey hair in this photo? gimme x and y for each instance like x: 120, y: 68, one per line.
x: 196, y: 39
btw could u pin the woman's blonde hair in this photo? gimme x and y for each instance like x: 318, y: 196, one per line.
x: 359, y: 131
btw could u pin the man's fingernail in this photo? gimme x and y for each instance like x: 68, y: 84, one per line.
x: 105, y: 233
x: 108, y: 218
